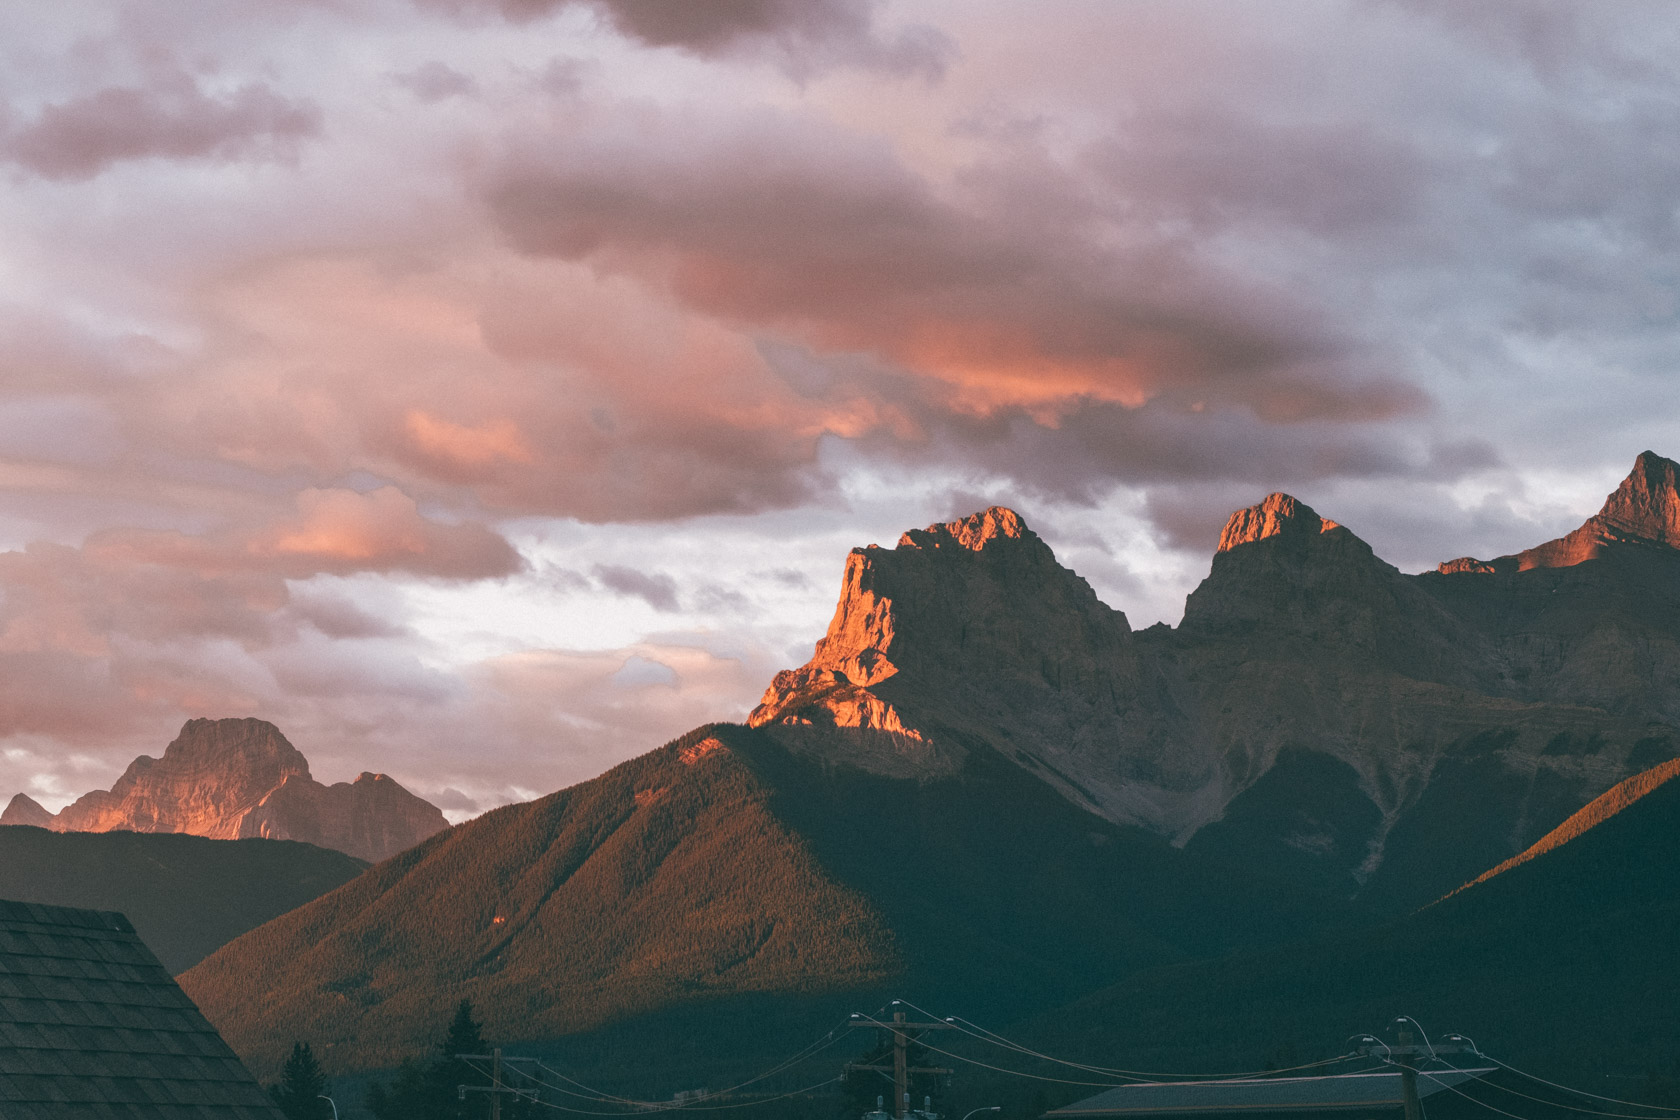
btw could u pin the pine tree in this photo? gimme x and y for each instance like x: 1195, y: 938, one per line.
x: 429, y: 1088
x: 302, y: 1085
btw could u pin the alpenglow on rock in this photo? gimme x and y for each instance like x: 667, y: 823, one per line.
x: 1314, y: 699
x: 231, y: 778
x: 1643, y: 511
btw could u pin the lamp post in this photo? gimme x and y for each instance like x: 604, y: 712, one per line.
x: 329, y: 1100
x: 993, y: 1108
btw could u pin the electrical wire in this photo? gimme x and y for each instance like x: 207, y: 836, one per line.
x: 999, y: 1040
x: 594, y: 1095
x: 1573, y: 1108
x: 1016, y: 1072
x: 1577, y: 1092
x: 673, y: 1106
x: 1466, y: 1096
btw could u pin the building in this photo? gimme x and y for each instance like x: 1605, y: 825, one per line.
x: 1367, y: 1095
x: 92, y: 1027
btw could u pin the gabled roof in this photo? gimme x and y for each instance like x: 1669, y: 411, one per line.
x: 93, y: 1027
x: 1338, y: 1092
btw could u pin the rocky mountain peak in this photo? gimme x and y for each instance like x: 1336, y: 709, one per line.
x: 1643, y: 510
x: 1278, y: 515
x: 234, y: 747
x: 974, y: 532
x: 228, y: 778
x: 24, y: 809
x: 1647, y: 503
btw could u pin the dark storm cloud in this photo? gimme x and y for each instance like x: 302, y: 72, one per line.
x: 169, y: 118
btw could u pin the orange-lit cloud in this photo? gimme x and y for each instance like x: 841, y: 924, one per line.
x: 467, y: 448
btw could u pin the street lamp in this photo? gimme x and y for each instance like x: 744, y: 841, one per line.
x: 329, y: 1100
x: 993, y: 1108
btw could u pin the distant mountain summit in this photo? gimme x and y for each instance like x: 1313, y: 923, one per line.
x: 1279, y: 515
x: 24, y: 809
x: 232, y: 778
x: 1643, y: 511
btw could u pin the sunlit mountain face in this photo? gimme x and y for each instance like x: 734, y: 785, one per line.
x: 483, y: 392
x: 985, y: 786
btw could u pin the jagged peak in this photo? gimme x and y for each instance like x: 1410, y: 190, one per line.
x: 1647, y: 503
x: 1278, y: 515
x: 973, y: 532
x: 1645, y: 508
x: 24, y: 809
x: 224, y: 740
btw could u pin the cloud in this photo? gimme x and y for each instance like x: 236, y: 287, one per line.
x: 1007, y: 295
x: 436, y: 81
x: 656, y: 590
x: 171, y: 118
x: 802, y: 35
x: 343, y: 531
x: 1133, y: 265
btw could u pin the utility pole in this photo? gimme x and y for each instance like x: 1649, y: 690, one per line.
x: 901, y: 1068
x: 495, y: 1088
x: 1407, y: 1053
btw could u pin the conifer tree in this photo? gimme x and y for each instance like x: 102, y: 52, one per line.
x: 429, y: 1088
x: 302, y: 1085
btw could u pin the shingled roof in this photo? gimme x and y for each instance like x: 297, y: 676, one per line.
x: 93, y: 1027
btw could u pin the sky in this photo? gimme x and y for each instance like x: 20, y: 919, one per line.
x: 486, y: 391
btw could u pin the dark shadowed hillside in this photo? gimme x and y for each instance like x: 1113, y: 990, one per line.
x: 185, y: 895
x: 1566, y: 960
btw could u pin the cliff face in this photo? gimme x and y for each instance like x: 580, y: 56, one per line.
x: 970, y: 634
x: 232, y: 778
x: 1643, y: 511
x: 1316, y: 707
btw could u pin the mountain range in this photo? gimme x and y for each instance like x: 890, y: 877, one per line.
x: 232, y: 778
x: 986, y: 788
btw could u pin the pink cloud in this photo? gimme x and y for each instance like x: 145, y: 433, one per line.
x: 1005, y: 291
x: 343, y: 531
x: 803, y: 35
x: 172, y: 118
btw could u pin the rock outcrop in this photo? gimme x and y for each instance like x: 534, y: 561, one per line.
x: 1315, y: 703
x: 970, y: 633
x: 233, y: 778
x: 23, y: 809
x: 1644, y: 511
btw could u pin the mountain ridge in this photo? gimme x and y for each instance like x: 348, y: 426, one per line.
x: 1012, y: 796
x: 1300, y: 638
x: 233, y: 778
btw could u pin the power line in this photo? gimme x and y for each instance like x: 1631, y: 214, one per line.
x: 595, y: 1095
x: 1000, y: 1041
x: 1570, y: 1107
x: 1021, y: 1073
x: 672, y: 1106
x: 1577, y: 1092
x: 1466, y: 1096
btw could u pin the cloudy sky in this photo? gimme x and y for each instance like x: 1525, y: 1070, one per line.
x: 487, y: 390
